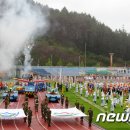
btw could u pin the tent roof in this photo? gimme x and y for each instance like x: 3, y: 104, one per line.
x: 102, y: 72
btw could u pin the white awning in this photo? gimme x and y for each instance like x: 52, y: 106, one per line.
x: 8, y: 114
x: 67, y: 113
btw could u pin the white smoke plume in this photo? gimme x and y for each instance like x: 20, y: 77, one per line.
x: 28, y: 59
x: 18, y: 23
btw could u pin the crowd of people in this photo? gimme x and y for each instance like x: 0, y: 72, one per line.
x: 45, y: 110
x: 107, y: 89
x: 27, y: 111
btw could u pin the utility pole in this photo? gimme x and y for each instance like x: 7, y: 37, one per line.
x: 125, y: 64
x: 79, y: 61
x: 111, y: 59
x: 85, y: 56
x: 38, y: 62
x: 51, y: 60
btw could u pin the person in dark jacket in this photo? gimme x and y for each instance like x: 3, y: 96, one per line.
x: 77, y: 104
x: 49, y: 117
x: 66, y: 102
x: 82, y: 108
x: 62, y: 99
x: 29, y: 117
x: 90, y: 113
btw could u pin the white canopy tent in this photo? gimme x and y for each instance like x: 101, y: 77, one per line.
x: 10, y: 114
x: 67, y: 113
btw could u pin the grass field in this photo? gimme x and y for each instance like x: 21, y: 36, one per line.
x: 108, y: 126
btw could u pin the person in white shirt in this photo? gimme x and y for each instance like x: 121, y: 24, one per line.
x: 77, y: 88
x: 112, y: 106
x: 81, y: 91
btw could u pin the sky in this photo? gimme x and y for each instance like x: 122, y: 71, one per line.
x: 113, y: 13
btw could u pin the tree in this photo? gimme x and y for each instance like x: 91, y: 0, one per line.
x: 82, y: 64
x: 69, y: 64
x: 59, y: 63
x: 48, y: 63
x: 72, y: 30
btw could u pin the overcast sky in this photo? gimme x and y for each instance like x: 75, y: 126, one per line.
x: 113, y: 13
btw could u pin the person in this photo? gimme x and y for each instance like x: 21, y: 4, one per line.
x: 62, y: 99
x: 46, y: 100
x: 121, y: 100
x: 77, y: 104
x: 77, y: 88
x: 25, y: 109
x: 29, y: 116
x: 102, y: 101
x: 124, y: 105
x: 66, y: 102
x: 112, y: 106
x: 36, y: 105
x: 61, y: 87
x: 87, y: 93
x: 107, y: 97
x: 98, y: 93
x: 49, y: 117
x: 30, y: 77
x: 42, y: 108
x: 6, y: 101
x: 1, y: 85
x: 26, y: 99
x: 58, y: 85
x: 45, y: 112
x: 90, y: 113
x: 9, y: 94
x: 70, y: 85
x: 82, y: 108
x: 35, y: 96
x: 95, y: 97
x: 81, y: 90
x: 67, y: 87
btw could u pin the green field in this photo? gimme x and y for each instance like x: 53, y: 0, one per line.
x: 97, y: 109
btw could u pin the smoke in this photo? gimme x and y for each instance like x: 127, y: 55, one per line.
x: 19, y: 22
x: 28, y: 59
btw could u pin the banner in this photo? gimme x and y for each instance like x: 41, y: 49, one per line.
x: 11, y: 114
x: 67, y: 113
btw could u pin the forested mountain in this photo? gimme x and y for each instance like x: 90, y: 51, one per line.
x: 65, y: 41
x: 69, y: 33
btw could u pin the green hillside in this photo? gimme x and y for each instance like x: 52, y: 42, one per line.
x: 69, y: 32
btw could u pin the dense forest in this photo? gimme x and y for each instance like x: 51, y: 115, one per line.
x: 71, y: 34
